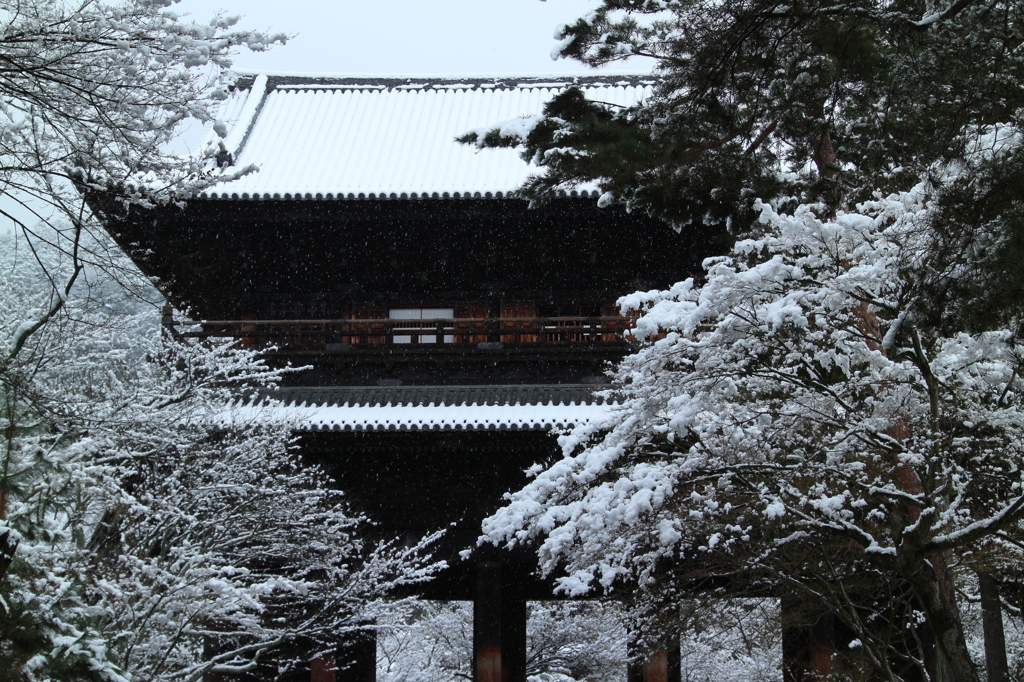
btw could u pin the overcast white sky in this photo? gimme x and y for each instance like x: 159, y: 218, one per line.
x: 405, y: 37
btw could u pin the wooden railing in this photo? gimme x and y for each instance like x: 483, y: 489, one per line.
x: 341, y: 335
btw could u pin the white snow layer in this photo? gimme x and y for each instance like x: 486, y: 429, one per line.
x: 409, y: 417
x: 345, y: 141
x: 247, y: 116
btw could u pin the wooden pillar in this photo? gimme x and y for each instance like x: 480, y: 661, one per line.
x: 249, y: 341
x: 992, y: 625
x: 323, y: 668
x: 822, y: 645
x: 494, y: 313
x: 354, y: 661
x: 663, y: 664
x: 808, y: 646
x: 499, y: 627
x: 487, y: 623
x: 513, y: 632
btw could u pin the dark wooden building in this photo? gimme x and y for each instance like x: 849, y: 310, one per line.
x: 447, y: 325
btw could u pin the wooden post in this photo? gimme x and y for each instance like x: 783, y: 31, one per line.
x: 323, y: 668
x: 499, y: 627
x: 494, y: 313
x: 167, y: 315
x: 808, y: 644
x: 822, y: 641
x: 992, y: 625
x: 250, y: 341
x: 513, y: 631
x: 663, y: 664
x: 487, y: 623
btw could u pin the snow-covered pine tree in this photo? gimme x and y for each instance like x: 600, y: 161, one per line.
x: 812, y: 100
x: 845, y: 118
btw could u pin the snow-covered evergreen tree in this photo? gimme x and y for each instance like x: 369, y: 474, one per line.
x: 847, y: 97
x: 834, y: 407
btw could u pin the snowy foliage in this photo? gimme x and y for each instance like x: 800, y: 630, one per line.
x: 791, y: 400
x: 93, y: 91
x: 822, y: 100
x: 722, y: 640
x: 144, y: 541
x: 834, y: 408
x: 565, y: 642
x: 432, y: 642
x: 731, y: 640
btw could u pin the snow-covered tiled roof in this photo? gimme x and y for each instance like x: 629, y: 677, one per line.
x: 445, y: 417
x: 350, y: 138
x: 463, y: 408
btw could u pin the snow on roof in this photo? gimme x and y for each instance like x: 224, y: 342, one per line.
x: 415, y: 409
x: 443, y: 417
x: 356, y: 138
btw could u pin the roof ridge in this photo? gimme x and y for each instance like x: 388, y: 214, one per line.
x: 467, y: 82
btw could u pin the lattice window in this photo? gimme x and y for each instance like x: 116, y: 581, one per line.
x: 576, y: 330
x: 422, y: 324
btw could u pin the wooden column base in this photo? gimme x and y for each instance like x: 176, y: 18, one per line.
x: 808, y: 650
x: 355, y: 661
x: 499, y: 627
x: 661, y: 665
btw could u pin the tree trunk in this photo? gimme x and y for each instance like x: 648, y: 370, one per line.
x: 992, y: 623
x: 927, y: 578
x: 932, y: 584
x: 7, y: 549
x: 825, y: 156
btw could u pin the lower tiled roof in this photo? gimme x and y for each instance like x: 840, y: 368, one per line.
x: 441, y: 408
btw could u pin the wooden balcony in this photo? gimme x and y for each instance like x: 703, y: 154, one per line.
x: 438, y: 336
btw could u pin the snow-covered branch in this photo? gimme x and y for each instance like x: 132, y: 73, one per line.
x: 790, y: 401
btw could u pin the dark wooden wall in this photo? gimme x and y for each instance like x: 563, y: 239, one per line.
x: 412, y: 483
x: 226, y: 259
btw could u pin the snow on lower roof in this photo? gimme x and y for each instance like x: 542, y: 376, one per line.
x: 444, y: 417
x: 387, y: 138
x: 457, y: 408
